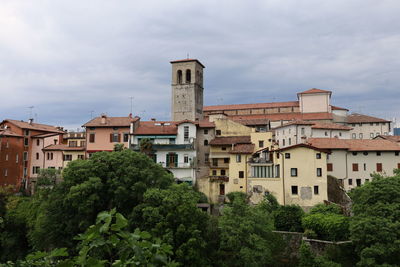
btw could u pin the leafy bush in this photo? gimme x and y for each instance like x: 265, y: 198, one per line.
x: 288, y: 218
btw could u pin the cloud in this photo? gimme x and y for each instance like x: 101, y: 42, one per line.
x: 68, y: 58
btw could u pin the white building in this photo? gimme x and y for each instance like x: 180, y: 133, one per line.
x: 172, y: 146
x: 353, y: 161
x: 367, y: 127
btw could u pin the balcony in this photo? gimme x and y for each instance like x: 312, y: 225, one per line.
x: 175, y: 165
x: 169, y: 147
x: 222, y: 178
x: 260, y: 161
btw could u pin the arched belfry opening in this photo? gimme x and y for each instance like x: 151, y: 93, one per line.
x: 188, y: 76
x: 179, y: 77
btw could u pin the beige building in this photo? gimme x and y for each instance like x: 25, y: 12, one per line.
x: 367, y: 127
x: 353, y: 161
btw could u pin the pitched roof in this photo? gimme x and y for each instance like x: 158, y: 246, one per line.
x: 229, y: 140
x: 205, y: 123
x: 330, y: 126
x: 34, y: 126
x: 296, y: 122
x: 252, y: 106
x: 338, y: 108
x: 63, y: 147
x: 111, y: 122
x: 361, y: 118
x: 243, y: 149
x: 187, y: 60
x: 314, y: 91
x: 156, y: 128
x: 303, y: 145
x: 393, y: 138
x: 9, y: 133
x: 354, y: 144
x: 45, y: 135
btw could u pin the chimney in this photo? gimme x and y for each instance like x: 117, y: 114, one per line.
x: 103, y: 118
x: 153, y: 119
x: 30, y: 121
x: 130, y: 115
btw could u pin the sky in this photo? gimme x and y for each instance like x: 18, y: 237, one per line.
x: 71, y: 60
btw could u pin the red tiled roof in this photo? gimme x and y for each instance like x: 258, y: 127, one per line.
x: 111, y: 122
x: 288, y: 116
x: 45, y: 135
x: 187, y: 60
x: 314, y: 91
x: 9, y: 133
x: 63, y: 147
x: 243, y: 149
x: 338, y: 108
x: 296, y: 122
x: 34, y: 126
x: 393, y: 138
x: 303, y: 145
x: 330, y: 126
x: 252, y: 106
x: 205, y: 123
x: 250, y: 122
x: 156, y: 128
x: 360, y: 118
x: 229, y: 140
x: 354, y: 144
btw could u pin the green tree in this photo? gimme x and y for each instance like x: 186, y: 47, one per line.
x: 246, y: 237
x: 172, y: 215
x: 375, y: 227
x: 105, y: 181
x: 288, y: 218
x: 118, y: 147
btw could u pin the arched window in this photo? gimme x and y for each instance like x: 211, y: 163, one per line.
x: 179, y: 77
x: 206, y: 142
x: 188, y: 76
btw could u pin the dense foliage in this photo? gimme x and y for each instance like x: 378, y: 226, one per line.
x: 375, y: 227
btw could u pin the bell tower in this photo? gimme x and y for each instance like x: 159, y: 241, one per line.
x: 187, y: 90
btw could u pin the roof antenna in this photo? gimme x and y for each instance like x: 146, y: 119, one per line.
x: 30, y: 111
x: 131, y: 104
x: 187, y: 55
x: 91, y: 114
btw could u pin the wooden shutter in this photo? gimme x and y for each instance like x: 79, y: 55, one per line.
x: 355, y: 167
x: 398, y: 165
x: 111, y: 137
x: 119, y: 138
x: 329, y: 167
x: 379, y: 167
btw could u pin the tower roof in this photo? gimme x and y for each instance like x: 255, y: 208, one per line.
x: 187, y: 60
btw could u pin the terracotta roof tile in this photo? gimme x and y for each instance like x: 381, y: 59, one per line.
x: 303, y: 145
x: 296, y: 122
x: 314, y: 91
x: 205, y: 123
x: 330, y: 126
x: 360, y: 118
x: 393, y: 138
x: 229, y: 140
x: 9, y: 133
x: 243, y: 149
x: 287, y: 116
x: 156, y: 128
x: 338, y: 108
x: 252, y: 106
x: 354, y: 144
x: 250, y: 122
x: 34, y: 126
x: 111, y: 122
x: 63, y: 147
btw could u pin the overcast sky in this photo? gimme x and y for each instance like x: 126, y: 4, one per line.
x: 70, y: 59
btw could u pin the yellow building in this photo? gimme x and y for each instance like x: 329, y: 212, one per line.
x: 294, y: 175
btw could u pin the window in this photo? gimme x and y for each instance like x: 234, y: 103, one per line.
x: 294, y: 190
x: 302, y: 131
x: 51, y: 156
x: 223, y: 172
x: 377, y: 134
x: 350, y: 181
x: 371, y: 135
x: 26, y: 132
x: 290, y: 141
x: 366, y: 180
x: 262, y: 172
x: 179, y: 77
x: 396, y: 153
x: 115, y: 138
x: 277, y: 155
x: 73, y: 143
x: 355, y: 167
x: 218, y: 132
x: 365, y: 166
x: 398, y: 165
x: 37, y: 142
x: 186, y: 159
x: 365, y: 153
x: 25, y: 156
x: 67, y: 157
x: 316, y: 190
x: 238, y: 158
x: 354, y: 136
x: 5, y: 172
x: 223, y: 148
x: 81, y: 156
x: 215, y: 162
x: 6, y: 157
x: 55, y: 141
x: 340, y: 133
x: 358, y: 182
x: 206, y: 157
x: 378, y: 153
x: 92, y: 137
x: 326, y: 133
x: 35, y: 169
x: 293, y: 172
x: 206, y: 142
x: 354, y: 153
x: 205, y: 131
x: 186, y: 133
x: 37, y: 156
x: 318, y: 156
x: 226, y: 160
x: 287, y: 155
x: 26, y: 141
x: 283, y: 142
x: 126, y: 137
x: 83, y: 143
x: 319, y: 172
x: 16, y: 158
x: 214, y: 172
x: 241, y: 174
x: 260, y: 143
x: 171, y: 141
x: 329, y: 167
x: 371, y: 123
x: 360, y: 135
x: 379, y: 167
x: 188, y: 76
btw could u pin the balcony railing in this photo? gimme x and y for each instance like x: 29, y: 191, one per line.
x: 174, y: 165
x: 157, y: 147
x: 260, y: 161
x: 223, y: 178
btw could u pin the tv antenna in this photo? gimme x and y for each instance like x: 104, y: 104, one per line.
x: 91, y: 114
x: 131, y: 104
x: 30, y: 111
